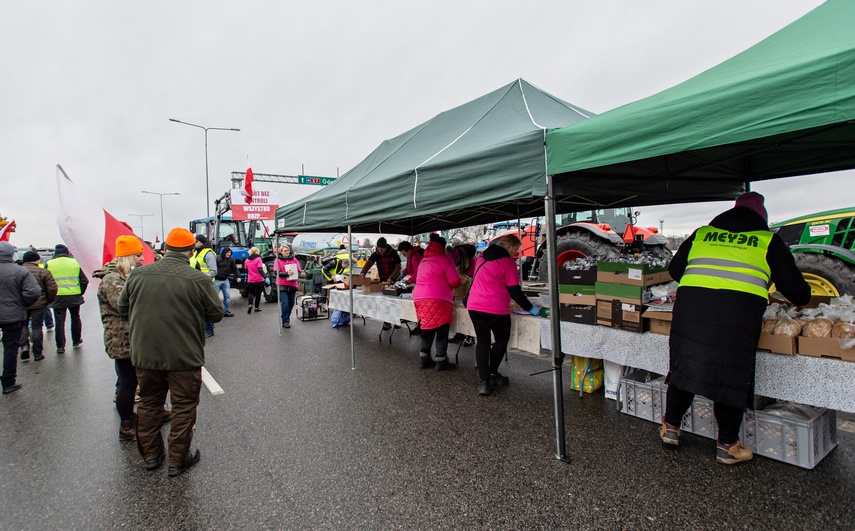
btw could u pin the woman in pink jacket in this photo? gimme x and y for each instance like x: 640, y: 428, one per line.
x: 496, y: 280
x: 289, y: 270
x: 255, y: 278
x: 433, y: 297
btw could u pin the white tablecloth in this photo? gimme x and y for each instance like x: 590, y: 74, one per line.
x: 525, y: 331
x: 819, y: 382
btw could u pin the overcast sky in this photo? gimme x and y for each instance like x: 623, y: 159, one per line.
x: 316, y: 86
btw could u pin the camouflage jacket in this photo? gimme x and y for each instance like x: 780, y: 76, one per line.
x: 117, y: 337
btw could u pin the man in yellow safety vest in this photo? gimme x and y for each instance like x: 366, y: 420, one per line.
x: 71, y: 285
x: 205, y: 260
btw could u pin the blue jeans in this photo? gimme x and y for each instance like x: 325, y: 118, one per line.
x: 48, y: 317
x: 287, y: 299
x: 226, y: 288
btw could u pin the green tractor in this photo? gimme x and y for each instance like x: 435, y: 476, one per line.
x: 823, y: 245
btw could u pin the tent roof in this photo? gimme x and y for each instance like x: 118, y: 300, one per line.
x: 784, y: 107
x: 482, y: 161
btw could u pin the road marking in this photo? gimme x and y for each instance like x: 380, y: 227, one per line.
x: 210, y: 383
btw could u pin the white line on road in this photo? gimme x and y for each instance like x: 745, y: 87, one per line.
x: 210, y: 383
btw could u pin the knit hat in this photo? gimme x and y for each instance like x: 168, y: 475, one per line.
x: 754, y: 201
x: 180, y: 239
x: 60, y: 249
x: 128, y: 246
x: 31, y: 256
x: 201, y: 238
x: 381, y: 242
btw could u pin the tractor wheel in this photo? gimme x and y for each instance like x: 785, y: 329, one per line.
x: 826, y: 275
x: 270, y: 294
x: 659, y: 250
x: 576, y: 245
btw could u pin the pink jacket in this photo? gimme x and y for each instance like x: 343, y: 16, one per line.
x: 489, y: 293
x: 279, y: 265
x: 437, y: 275
x: 252, y: 274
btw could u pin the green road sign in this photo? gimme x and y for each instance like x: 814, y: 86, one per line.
x: 319, y: 181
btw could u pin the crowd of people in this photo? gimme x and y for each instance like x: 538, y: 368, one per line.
x: 157, y: 318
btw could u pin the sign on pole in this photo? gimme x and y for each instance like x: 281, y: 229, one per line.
x: 319, y: 181
x: 263, y: 206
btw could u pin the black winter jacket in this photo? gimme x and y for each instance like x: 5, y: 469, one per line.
x: 714, y: 332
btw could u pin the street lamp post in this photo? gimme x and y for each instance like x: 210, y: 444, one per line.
x: 206, y: 129
x: 142, y: 230
x: 161, y: 207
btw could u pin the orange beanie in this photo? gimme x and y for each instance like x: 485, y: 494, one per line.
x: 180, y: 239
x: 128, y: 246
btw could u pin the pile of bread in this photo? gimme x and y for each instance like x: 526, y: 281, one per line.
x: 834, y: 319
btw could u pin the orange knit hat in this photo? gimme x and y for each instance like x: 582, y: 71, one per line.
x: 180, y: 239
x: 128, y: 246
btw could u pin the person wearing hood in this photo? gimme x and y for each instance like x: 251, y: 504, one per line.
x: 288, y: 267
x: 36, y: 312
x: 18, y: 290
x: 226, y: 267
x: 433, y: 298
x: 117, y: 338
x: 495, y: 282
x: 724, y: 270
x: 71, y: 285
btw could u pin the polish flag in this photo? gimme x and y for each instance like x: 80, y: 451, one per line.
x: 88, y: 230
x: 247, y: 186
x: 7, y: 230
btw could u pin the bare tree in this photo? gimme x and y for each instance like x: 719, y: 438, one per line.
x: 366, y: 243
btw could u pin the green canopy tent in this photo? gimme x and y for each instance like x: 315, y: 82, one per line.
x: 784, y: 107
x: 481, y: 162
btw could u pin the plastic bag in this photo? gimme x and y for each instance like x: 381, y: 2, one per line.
x: 791, y: 411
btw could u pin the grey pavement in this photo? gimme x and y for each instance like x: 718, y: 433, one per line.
x: 299, y: 440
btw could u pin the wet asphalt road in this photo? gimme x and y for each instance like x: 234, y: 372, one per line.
x: 300, y: 441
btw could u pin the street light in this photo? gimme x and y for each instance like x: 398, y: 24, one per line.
x: 161, y: 208
x: 142, y: 231
x: 206, y: 129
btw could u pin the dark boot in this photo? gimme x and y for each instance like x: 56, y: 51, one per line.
x: 426, y: 361
x: 128, y: 429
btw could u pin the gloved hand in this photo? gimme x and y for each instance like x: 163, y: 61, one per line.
x: 535, y: 311
x: 266, y: 281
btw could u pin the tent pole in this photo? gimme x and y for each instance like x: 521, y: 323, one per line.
x: 350, y: 294
x: 554, y: 322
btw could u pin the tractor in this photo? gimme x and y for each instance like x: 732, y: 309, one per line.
x: 823, y: 245
x: 603, y: 234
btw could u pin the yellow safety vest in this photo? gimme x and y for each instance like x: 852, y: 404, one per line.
x: 66, y: 272
x: 199, y: 259
x: 735, y: 261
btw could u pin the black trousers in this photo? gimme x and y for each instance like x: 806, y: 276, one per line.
x: 489, y: 326
x: 37, y: 319
x: 76, y: 325
x: 254, y: 291
x: 11, y: 343
x: 441, y: 335
x: 126, y: 388
x: 729, y: 418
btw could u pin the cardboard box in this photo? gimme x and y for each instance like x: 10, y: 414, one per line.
x: 585, y: 277
x: 581, y: 289
x: 584, y: 300
x: 623, y: 292
x: 658, y: 322
x: 631, y: 274
x: 778, y: 344
x: 615, y: 313
x: 576, y: 313
x: 825, y: 347
x: 373, y: 287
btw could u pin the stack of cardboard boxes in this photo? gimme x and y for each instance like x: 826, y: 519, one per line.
x: 622, y: 290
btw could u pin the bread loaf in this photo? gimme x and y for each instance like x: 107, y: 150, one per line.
x: 843, y: 331
x: 818, y: 328
x: 769, y: 325
x: 787, y: 327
